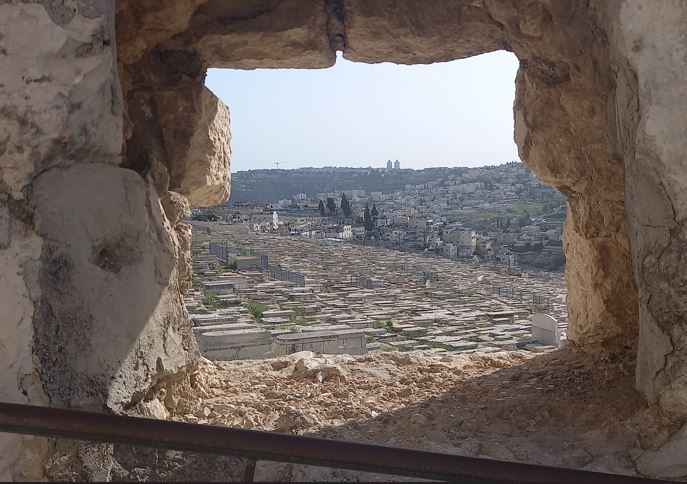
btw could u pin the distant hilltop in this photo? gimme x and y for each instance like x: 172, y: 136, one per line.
x: 274, y: 184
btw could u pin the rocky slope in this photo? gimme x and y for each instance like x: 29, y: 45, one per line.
x: 561, y: 408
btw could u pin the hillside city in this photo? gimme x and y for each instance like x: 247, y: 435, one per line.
x: 493, y: 214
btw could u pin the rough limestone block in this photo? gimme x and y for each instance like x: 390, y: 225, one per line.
x: 195, y: 129
x: 288, y: 33
x: 651, y: 102
x: 417, y: 32
x: 59, y: 96
x: 109, y: 296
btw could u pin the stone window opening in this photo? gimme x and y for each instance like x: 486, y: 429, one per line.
x: 96, y: 97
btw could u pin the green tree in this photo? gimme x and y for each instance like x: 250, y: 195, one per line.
x: 206, y: 216
x: 346, y: 206
x: 321, y: 208
x: 368, y: 223
x: 374, y: 211
x: 524, y: 220
x: 331, y: 205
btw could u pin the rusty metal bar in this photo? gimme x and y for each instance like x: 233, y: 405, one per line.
x: 257, y: 445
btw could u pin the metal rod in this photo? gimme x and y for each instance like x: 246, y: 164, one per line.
x: 258, y: 445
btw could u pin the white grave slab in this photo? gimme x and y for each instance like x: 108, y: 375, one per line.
x: 545, y: 329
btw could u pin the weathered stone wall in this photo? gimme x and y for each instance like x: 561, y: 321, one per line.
x: 650, y: 57
x: 109, y: 292
x: 60, y: 105
x: 561, y: 113
x: 94, y: 254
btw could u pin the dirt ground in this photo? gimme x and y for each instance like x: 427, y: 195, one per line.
x: 562, y: 408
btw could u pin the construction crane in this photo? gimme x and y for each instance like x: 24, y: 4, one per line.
x: 278, y: 163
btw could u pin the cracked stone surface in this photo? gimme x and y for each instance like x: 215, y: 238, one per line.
x: 655, y: 186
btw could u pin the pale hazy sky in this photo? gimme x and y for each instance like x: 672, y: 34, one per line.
x: 456, y: 113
